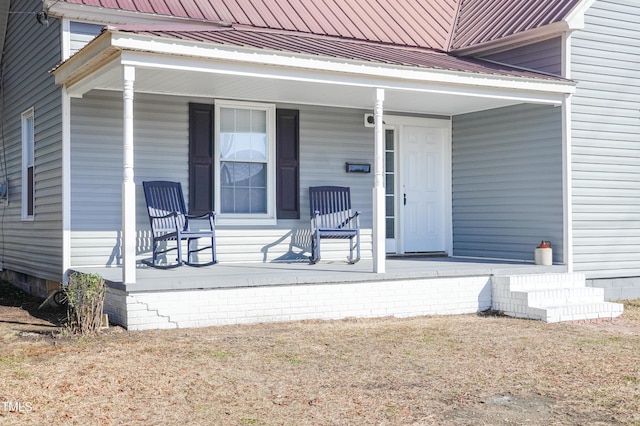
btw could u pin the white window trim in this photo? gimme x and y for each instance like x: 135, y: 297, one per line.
x: 26, y: 144
x: 252, y: 218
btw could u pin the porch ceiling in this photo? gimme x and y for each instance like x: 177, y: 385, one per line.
x: 276, y: 90
x: 230, y: 72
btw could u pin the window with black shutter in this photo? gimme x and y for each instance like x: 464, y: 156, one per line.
x: 252, y: 174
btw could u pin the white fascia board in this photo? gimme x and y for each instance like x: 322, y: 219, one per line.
x: 92, y: 54
x: 77, y: 87
x: 313, y: 63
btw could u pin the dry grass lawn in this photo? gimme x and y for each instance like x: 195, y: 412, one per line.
x: 453, y: 370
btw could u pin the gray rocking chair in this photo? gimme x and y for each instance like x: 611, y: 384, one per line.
x: 170, y: 222
x: 331, y: 217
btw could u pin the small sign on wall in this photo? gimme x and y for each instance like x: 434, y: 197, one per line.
x: 358, y: 168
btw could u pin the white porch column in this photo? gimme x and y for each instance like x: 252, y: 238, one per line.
x: 128, y: 185
x: 567, y: 161
x: 379, y: 224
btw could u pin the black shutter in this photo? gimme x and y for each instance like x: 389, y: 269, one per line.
x: 200, y: 158
x: 287, y: 164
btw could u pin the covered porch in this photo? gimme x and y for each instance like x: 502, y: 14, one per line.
x: 237, y: 293
x: 409, y: 84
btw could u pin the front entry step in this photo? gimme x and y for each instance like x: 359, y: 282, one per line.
x: 553, y: 297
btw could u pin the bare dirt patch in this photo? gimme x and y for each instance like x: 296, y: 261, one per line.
x: 453, y: 370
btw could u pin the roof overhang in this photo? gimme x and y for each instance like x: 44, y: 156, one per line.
x: 572, y: 22
x: 188, y: 68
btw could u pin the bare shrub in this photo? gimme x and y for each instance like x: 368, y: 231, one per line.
x: 85, y: 295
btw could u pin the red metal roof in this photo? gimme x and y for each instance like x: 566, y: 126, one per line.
x: 444, y: 25
x: 406, y: 22
x: 332, y: 47
x: 480, y: 21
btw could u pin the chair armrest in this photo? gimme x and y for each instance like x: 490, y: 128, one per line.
x: 174, y: 214
x: 158, y: 228
x: 209, y: 215
x: 314, y: 220
x: 200, y: 216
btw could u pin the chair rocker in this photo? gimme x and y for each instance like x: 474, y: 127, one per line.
x: 170, y: 222
x: 332, y: 218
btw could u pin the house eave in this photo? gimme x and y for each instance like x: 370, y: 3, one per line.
x: 123, y: 41
x: 97, y: 63
x: 85, y: 62
x: 79, y: 12
x: 516, y: 40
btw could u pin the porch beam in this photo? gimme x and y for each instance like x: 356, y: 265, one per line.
x: 379, y: 225
x: 128, y: 184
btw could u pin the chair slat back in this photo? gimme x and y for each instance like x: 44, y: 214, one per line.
x: 163, y: 198
x: 334, y: 205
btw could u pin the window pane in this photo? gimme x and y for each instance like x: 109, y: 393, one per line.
x: 389, y: 205
x: 258, y: 176
x: 258, y: 121
x: 243, y: 134
x: 243, y: 121
x: 389, y: 188
x: 390, y: 228
x: 388, y: 140
x: 227, y: 120
x: 389, y: 161
x: 29, y: 140
x: 226, y: 200
x: 243, y: 187
x: 258, y: 200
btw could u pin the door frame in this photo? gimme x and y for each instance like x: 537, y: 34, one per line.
x: 397, y: 123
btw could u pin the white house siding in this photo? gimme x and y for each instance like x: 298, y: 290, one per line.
x: 606, y: 141
x: 82, y: 33
x: 545, y: 56
x: 32, y: 247
x: 507, y: 182
x: 328, y: 139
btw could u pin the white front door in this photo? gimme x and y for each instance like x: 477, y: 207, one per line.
x: 423, y: 189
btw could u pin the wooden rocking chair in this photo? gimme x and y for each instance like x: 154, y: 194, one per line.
x: 170, y: 222
x: 331, y: 217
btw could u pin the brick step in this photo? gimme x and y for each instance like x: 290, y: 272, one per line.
x: 552, y: 297
x: 540, y: 281
x: 560, y: 296
x: 576, y: 312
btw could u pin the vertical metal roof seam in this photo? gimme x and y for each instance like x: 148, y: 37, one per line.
x: 350, y: 27
x: 235, y: 10
x: 376, y: 25
x: 322, y: 12
x: 514, y: 16
x: 192, y: 5
x: 267, y: 14
x: 255, y: 17
x: 203, y: 7
x: 311, y: 25
x: 221, y: 12
x: 454, y: 27
x: 174, y: 9
x: 363, y: 29
x: 281, y: 15
x: 400, y: 9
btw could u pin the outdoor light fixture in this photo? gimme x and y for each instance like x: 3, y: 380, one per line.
x: 43, y: 17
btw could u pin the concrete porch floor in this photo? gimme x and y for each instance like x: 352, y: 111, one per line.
x: 242, y: 275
